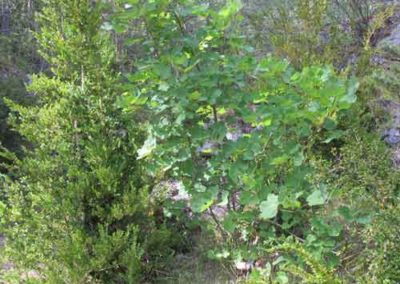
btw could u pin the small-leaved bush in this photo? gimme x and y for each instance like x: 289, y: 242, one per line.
x: 369, y: 186
x: 73, y: 210
x: 318, y: 31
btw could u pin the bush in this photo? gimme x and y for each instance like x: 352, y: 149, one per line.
x: 203, y: 85
x: 370, y: 187
x: 317, y: 31
x: 74, y: 210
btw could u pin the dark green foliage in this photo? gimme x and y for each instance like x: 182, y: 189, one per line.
x: 18, y: 58
x: 11, y: 88
x: 370, y: 187
x: 205, y: 147
x: 74, y: 211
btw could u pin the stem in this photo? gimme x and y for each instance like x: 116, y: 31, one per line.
x: 223, y: 233
x: 193, y: 158
x: 180, y: 23
x: 286, y: 230
x: 234, y: 201
x: 215, y: 114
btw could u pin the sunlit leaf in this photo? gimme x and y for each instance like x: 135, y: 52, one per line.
x: 269, y: 208
x: 316, y: 198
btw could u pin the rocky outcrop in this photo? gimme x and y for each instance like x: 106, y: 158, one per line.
x: 389, y: 57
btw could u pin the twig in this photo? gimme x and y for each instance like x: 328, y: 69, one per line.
x: 286, y: 230
x: 223, y: 233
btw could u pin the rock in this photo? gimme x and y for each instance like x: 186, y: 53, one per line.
x: 393, y: 39
x: 30, y: 275
x: 234, y: 135
x: 209, y: 147
x: 396, y: 157
x: 178, y: 193
x: 378, y: 60
x: 389, y: 54
x: 244, y: 266
x: 219, y: 211
x: 392, y: 136
x: 7, y: 266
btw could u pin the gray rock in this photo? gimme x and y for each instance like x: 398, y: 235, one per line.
x: 396, y: 157
x: 209, y: 147
x: 393, y: 39
x: 392, y: 136
x: 234, y: 135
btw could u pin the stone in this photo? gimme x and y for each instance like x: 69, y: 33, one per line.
x: 392, y: 136
x: 393, y: 39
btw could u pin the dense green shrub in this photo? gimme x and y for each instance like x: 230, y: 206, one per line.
x: 370, y: 187
x: 77, y: 200
x: 317, y: 31
x: 279, y: 169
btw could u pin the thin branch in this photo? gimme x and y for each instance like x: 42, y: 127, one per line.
x: 286, y: 230
x: 222, y: 231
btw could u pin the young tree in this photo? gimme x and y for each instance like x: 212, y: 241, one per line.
x: 72, y: 213
x: 235, y: 130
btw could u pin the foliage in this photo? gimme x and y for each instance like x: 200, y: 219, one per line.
x: 318, y: 272
x: 18, y: 57
x: 206, y: 147
x: 77, y: 200
x: 202, y: 85
x: 366, y: 170
x: 318, y: 31
x: 370, y: 187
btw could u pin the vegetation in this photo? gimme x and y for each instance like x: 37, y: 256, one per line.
x: 18, y: 59
x: 154, y: 132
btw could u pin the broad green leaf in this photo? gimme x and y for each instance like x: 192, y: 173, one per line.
x: 231, y: 7
x: 200, y: 205
x: 107, y: 26
x: 282, y: 278
x: 269, y: 208
x: 279, y: 160
x: 164, y: 71
x: 345, y: 213
x: 229, y: 224
x: 224, y: 198
x: 248, y: 198
x: 163, y: 86
x: 201, y: 201
x: 2, y: 208
x: 350, y: 96
x: 298, y: 159
x: 316, y: 198
x: 194, y: 96
x: 364, y: 219
x: 334, y: 229
x: 334, y: 135
x: 148, y: 147
x: 329, y: 124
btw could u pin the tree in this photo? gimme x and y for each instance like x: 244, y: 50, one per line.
x: 234, y: 129
x: 72, y: 212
